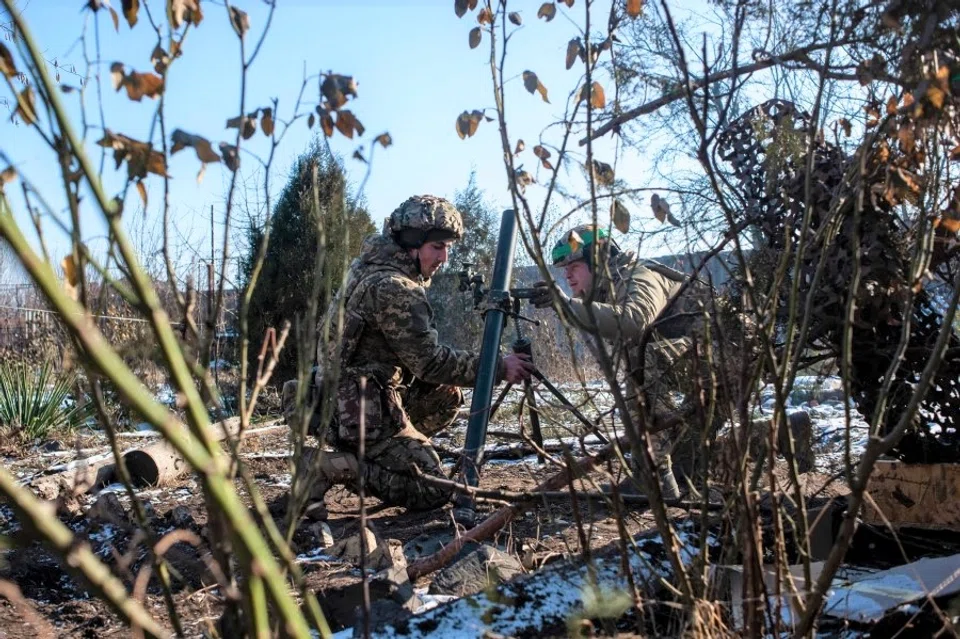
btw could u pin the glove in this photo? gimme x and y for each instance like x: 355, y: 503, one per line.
x: 543, y: 297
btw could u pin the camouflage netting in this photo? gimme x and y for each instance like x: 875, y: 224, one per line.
x: 766, y: 149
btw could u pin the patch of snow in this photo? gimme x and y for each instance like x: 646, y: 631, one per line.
x: 551, y: 596
x: 315, y: 556
x: 166, y: 395
x: 431, y: 601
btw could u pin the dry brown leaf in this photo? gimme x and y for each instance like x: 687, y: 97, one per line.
x: 182, y: 139
x: 137, y: 84
x: 523, y: 178
x: 520, y: 147
x: 467, y: 124
x: 602, y: 173
x: 634, y: 7
x: 115, y: 18
x: 266, y: 122
x: 515, y: 18
x: 335, y: 88
x: 143, y: 84
x: 384, y: 139
x: 955, y: 153
x: 574, y: 49
x: 935, y: 96
x: 344, y: 124
x: 546, y: 164
x: 7, y: 176
x: 569, y: 3
x: 597, y: 99
x: 620, y: 216
x: 230, y: 156
x: 358, y: 155
x: 475, y: 36
x: 347, y: 124
x: 485, y: 16
x: 532, y: 83
x: 71, y: 275
x: 180, y: 12
x: 247, y: 124
x: 460, y: 7
x: 159, y: 59
x: 950, y: 224
x: 311, y: 120
x: 117, y: 75
x: 892, y: 105
x: 326, y: 122
x: 547, y: 11
x: 575, y: 241
x: 846, y: 126
x: 142, y: 190
x: 7, y: 66
x: 906, y: 137
x: 130, y: 9
x: 140, y: 157
x: 26, y: 107
x: 541, y: 152
x: 661, y: 210
x: 883, y: 153
x: 239, y: 20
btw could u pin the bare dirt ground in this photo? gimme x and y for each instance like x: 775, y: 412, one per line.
x: 541, y: 535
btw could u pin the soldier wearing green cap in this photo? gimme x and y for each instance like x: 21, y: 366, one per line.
x: 412, y: 382
x: 626, y: 296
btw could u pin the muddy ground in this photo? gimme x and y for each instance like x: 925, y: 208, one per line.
x: 540, y: 536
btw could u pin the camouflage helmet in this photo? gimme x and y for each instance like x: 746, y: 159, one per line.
x: 424, y: 218
x: 575, y: 245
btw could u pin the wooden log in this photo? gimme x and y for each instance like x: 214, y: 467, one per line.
x: 914, y: 496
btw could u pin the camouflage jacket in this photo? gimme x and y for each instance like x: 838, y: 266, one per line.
x: 389, y: 328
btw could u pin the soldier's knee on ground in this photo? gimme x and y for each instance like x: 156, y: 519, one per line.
x: 392, y: 478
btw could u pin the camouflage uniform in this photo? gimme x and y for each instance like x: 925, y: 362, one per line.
x: 412, y: 381
x: 640, y: 292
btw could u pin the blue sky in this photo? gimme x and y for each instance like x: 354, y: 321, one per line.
x: 415, y: 74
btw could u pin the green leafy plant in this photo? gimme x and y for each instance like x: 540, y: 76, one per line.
x: 35, y: 403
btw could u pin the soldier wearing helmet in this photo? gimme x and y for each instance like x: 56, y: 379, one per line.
x: 625, y: 296
x: 412, y: 389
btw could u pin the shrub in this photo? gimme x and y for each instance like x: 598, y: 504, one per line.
x: 36, y: 403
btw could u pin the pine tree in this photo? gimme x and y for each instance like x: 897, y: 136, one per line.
x: 288, y: 269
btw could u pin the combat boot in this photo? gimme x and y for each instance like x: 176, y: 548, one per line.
x: 335, y: 468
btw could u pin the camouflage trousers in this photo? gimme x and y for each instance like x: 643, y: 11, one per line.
x: 669, y: 389
x: 398, y: 424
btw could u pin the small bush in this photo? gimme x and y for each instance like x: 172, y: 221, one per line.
x: 36, y: 403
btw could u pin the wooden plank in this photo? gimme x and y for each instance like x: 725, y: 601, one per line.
x: 914, y: 495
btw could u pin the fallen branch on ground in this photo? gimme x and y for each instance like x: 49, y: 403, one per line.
x: 502, y: 517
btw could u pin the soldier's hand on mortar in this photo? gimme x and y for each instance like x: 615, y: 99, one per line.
x: 517, y: 367
x: 542, y: 297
